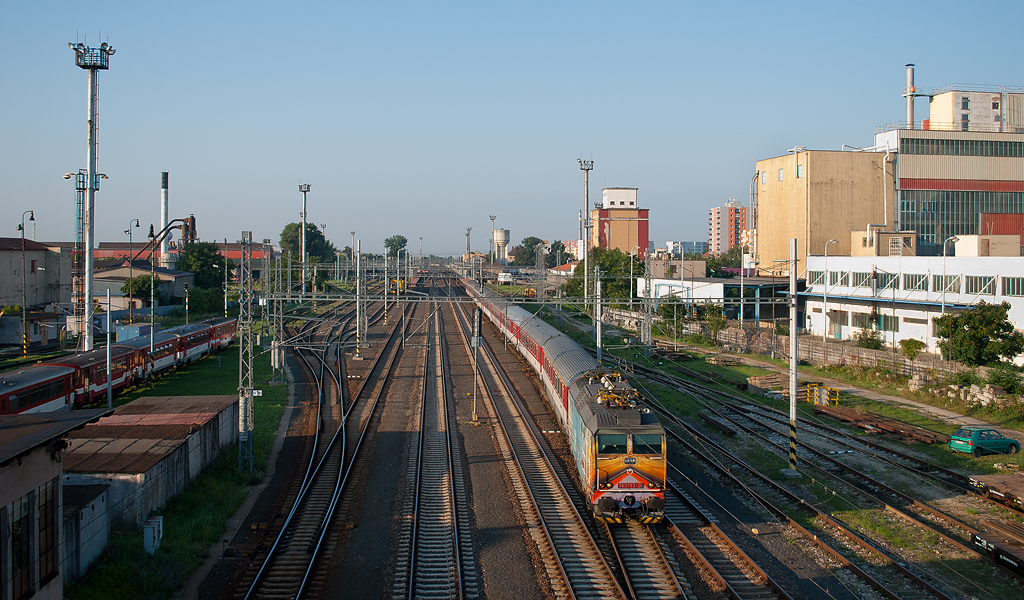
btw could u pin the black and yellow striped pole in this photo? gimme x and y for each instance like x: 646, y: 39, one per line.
x: 792, y: 353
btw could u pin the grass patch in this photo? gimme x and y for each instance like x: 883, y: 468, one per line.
x: 194, y: 520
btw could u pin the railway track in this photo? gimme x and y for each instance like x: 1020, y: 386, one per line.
x: 734, y: 571
x: 435, y: 557
x: 576, y: 566
x: 286, y: 569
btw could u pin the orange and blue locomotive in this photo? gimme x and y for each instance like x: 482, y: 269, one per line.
x: 617, y: 444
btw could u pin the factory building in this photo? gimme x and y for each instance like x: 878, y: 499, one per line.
x: 725, y: 226
x: 816, y: 196
x: 958, y: 173
x: 619, y: 223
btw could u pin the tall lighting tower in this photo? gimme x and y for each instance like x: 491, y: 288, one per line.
x: 493, y: 217
x: 304, y: 188
x: 93, y: 60
x: 586, y: 166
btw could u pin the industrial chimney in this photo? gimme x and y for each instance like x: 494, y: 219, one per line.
x: 164, y: 257
x: 909, y: 94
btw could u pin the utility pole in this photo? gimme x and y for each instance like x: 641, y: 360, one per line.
x: 246, y: 454
x: 93, y: 60
x: 586, y: 166
x: 491, y: 249
x: 304, y: 188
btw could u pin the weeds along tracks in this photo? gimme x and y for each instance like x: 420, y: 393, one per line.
x: 435, y: 557
x: 576, y: 566
x: 287, y: 569
x: 942, y: 533
x: 875, y: 567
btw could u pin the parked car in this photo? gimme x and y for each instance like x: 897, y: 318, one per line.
x: 980, y: 440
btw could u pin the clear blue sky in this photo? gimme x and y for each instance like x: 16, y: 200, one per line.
x: 422, y: 118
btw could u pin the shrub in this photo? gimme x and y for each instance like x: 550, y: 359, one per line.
x: 1006, y: 376
x: 964, y: 378
x: 869, y: 338
x: 698, y: 339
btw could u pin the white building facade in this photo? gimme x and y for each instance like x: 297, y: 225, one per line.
x: 901, y: 296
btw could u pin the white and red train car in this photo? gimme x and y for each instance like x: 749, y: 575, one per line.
x: 80, y: 379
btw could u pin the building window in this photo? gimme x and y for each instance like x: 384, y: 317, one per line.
x: 837, y: 278
x: 799, y: 171
x: 861, y: 320
x: 815, y: 277
x: 951, y: 284
x: 21, y: 546
x: 780, y: 174
x: 32, y: 269
x: 886, y: 280
x: 915, y: 282
x: 47, y: 531
x: 995, y: 105
x: 984, y: 285
x: 888, y: 323
x: 915, y: 321
x: 862, y: 280
x: 1013, y: 286
x: 764, y: 177
x: 965, y: 103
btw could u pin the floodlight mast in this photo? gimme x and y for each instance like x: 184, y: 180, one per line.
x: 93, y: 60
x: 586, y: 166
x: 304, y: 188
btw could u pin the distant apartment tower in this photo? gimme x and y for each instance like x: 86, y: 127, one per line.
x: 620, y: 223
x: 683, y: 248
x: 726, y: 225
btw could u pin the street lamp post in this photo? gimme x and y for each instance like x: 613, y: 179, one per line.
x: 631, y: 275
x: 824, y: 294
x: 945, y: 284
x: 586, y: 166
x: 131, y: 254
x: 24, y: 284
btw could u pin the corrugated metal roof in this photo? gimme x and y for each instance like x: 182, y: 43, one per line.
x: 21, y: 434
x: 92, y: 357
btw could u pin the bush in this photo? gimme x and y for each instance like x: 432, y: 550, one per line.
x: 964, y: 378
x: 869, y: 338
x: 1006, y: 376
x: 698, y: 339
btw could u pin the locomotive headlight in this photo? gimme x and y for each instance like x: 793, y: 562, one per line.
x: 652, y: 485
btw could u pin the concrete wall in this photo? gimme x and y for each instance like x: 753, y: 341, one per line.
x: 838, y: 192
x: 50, y: 283
x: 21, y: 477
x: 987, y: 245
x: 86, y: 533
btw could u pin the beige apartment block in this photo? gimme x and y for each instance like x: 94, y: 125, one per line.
x: 815, y: 196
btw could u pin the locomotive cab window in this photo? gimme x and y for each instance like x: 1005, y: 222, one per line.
x: 647, y: 443
x: 611, y: 443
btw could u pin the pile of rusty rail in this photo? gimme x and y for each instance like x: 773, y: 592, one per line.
x: 883, y: 425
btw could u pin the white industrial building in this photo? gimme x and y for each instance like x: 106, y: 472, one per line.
x: 901, y: 296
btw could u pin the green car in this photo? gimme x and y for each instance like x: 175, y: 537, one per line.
x: 979, y: 440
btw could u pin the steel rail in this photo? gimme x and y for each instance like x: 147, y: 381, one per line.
x: 561, y: 523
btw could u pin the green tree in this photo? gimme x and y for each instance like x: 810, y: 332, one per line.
x: 137, y: 286
x: 205, y: 262
x: 394, y: 244
x: 732, y: 259
x: 556, y: 256
x: 615, y: 272
x: 205, y: 301
x: 911, y: 348
x: 526, y: 252
x: 981, y: 335
x: 316, y: 244
x: 714, y: 318
x: 869, y: 338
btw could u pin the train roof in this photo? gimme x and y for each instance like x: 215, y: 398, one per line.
x: 567, y: 357
x: 31, y: 375
x: 188, y: 329
x: 605, y: 399
x: 143, y: 340
x: 216, y: 321
x: 92, y: 357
